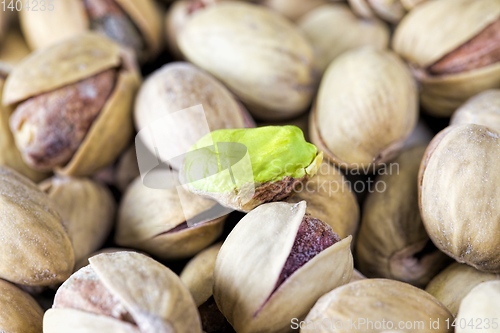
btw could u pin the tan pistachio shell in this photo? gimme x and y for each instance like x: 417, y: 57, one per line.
x: 410, y: 4
x: 147, y: 215
x: 35, y: 249
x: 293, y: 9
x: 377, y: 299
x: 392, y: 239
x: 177, y: 16
x: 480, y: 305
x: 482, y: 109
x: 14, y: 47
x: 459, y: 214
x: 135, y: 280
x: 126, y: 169
x: 329, y: 198
x: 87, y: 209
x: 357, y: 276
x: 455, y: 282
x: 20, y: 312
x: 389, y: 10
x: 258, y: 54
x: 364, y: 125
x: 261, y: 242
x: 333, y: 29
x: 198, y: 274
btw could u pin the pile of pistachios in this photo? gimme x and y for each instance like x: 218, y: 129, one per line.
x: 343, y: 175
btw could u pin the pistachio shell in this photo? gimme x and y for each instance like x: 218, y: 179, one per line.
x: 410, y: 4
x: 259, y: 55
x: 377, y: 299
x: 459, y: 214
x: 35, y: 249
x: 345, y: 31
x: 126, y: 169
x: 348, y: 119
x: 261, y: 242
x: 147, y: 220
x: 293, y: 9
x: 389, y: 10
x: 357, y: 276
x: 20, y: 312
x: 85, y: 261
x: 392, y: 240
x: 455, y: 282
x: 482, y: 303
x: 482, y: 109
x: 87, y: 209
x: 14, y: 47
x: 177, y: 15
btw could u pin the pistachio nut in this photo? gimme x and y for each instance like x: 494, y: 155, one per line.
x: 455, y: 282
x: 20, y: 312
x: 480, y: 305
x: 35, y: 249
x: 298, y: 257
x: 293, y: 9
x: 374, y: 300
x: 482, y: 109
x: 279, y: 160
x: 13, y: 48
x: 453, y: 47
x: 392, y: 239
x: 155, y: 221
x: 389, y: 10
x: 87, y: 209
x: 329, y: 198
x: 348, y: 117
x: 72, y: 104
x: 135, y: 24
x: 258, y: 54
x: 457, y: 194
x: 333, y: 29
x: 122, y: 292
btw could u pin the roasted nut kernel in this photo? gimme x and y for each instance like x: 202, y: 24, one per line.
x: 392, y: 239
x: 364, y: 125
x: 459, y: 214
x: 482, y: 109
x: 260, y: 56
x: 20, y: 312
x: 35, y: 249
x: 333, y: 29
x: 374, y: 300
x: 389, y: 10
x: 455, y: 282
x: 72, y: 105
x: 451, y: 44
x: 87, y: 209
x: 120, y: 292
x: 134, y: 24
x: 156, y: 222
x: 482, y: 303
x: 280, y: 160
x: 297, y: 257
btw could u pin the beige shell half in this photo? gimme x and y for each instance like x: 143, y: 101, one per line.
x: 146, y: 215
x: 389, y: 10
x: 482, y: 302
x: 333, y: 29
x: 360, y: 125
x: 482, y: 109
x: 136, y: 280
x: 198, y: 274
x: 87, y: 209
x: 258, y: 54
x: 261, y: 242
x: 35, y: 249
x: 376, y: 300
x: 392, y: 239
x: 458, y: 183
x: 20, y: 312
x: 329, y: 198
x: 455, y: 282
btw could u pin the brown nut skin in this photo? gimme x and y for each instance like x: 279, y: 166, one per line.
x: 455, y: 282
x: 258, y: 303
x: 374, y: 300
x: 87, y: 209
x: 73, y: 17
x: 20, y: 312
x: 460, y: 216
x: 154, y: 221
x: 482, y: 109
x: 119, y: 292
x: 261, y: 57
x: 364, y: 126
x: 60, y: 67
x: 454, y: 54
x: 35, y: 251
x: 392, y: 239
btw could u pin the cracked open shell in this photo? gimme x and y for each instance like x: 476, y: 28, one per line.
x: 482, y: 109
